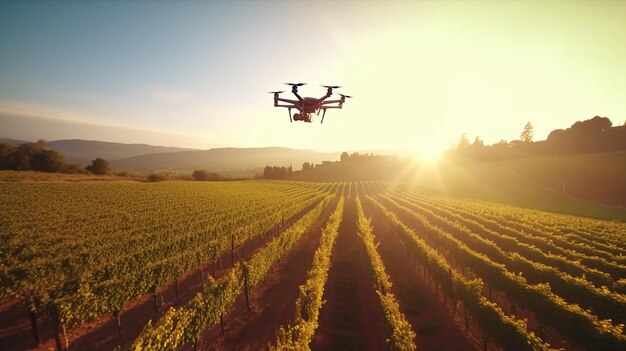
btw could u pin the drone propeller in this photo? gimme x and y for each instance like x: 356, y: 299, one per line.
x: 332, y: 86
x: 275, y: 92
x: 346, y: 96
x: 296, y: 84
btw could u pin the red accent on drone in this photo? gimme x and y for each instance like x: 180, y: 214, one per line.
x: 309, y: 105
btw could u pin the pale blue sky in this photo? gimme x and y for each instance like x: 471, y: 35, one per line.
x: 195, y: 73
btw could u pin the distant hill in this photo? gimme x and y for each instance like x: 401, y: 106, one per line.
x: 83, y: 151
x: 149, y: 157
x: 13, y: 141
x: 221, y: 159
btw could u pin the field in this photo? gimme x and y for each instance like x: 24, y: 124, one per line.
x: 294, y: 265
x: 591, y: 185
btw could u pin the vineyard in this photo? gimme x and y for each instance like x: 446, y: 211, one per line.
x: 287, y: 265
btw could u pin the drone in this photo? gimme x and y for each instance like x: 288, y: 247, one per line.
x: 309, y: 105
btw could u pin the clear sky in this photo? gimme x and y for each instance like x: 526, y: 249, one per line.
x: 195, y: 74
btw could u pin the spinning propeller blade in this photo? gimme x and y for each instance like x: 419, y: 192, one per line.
x: 275, y: 92
x: 346, y: 96
x: 332, y: 86
x: 296, y: 84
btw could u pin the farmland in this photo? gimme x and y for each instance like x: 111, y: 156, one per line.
x: 296, y: 265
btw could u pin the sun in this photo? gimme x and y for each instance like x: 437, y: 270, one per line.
x: 428, y: 154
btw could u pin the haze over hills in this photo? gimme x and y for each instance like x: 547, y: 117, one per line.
x: 83, y: 151
x: 148, y: 157
x: 221, y: 159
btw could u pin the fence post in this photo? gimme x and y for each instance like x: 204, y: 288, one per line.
x: 232, y: 249
x: 245, y: 286
x: 55, y: 326
x: 33, y: 325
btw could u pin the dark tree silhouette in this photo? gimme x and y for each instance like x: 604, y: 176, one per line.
x: 463, y: 142
x: 47, y: 161
x: 5, y: 152
x: 478, y: 143
x: 527, y: 134
x: 200, y: 175
x: 344, y: 156
x: 98, y: 166
x: 31, y: 157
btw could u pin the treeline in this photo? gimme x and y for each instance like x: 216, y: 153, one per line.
x: 274, y: 172
x: 202, y: 175
x: 593, y: 135
x: 35, y: 157
x: 353, y: 166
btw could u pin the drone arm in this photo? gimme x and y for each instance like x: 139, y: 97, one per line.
x: 332, y: 102
x: 329, y: 92
x: 288, y: 106
x: 294, y: 90
x: 287, y: 101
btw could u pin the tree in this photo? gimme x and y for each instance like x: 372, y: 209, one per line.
x: 593, y: 125
x: 463, y: 142
x: 156, y: 177
x: 98, y: 166
x: 527, y: 134
x: 5, y: 156
x: 200, y: 175
x: 478, y: 143
x: 47, y: 161
x: 344, y: 156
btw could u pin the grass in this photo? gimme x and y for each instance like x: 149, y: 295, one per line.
x: 31, y: 176
x: 594, y: 184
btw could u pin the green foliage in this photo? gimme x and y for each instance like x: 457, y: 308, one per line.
x: 298, y: 334
x: 515, y: 257
x: 185, y: 325
x: 570, y: 320
x: 402, y: 334
x: 91, y: 265
x: 27, y: 157
x: 507, y: 332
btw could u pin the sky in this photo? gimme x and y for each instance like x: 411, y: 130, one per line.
x: 196, y: 74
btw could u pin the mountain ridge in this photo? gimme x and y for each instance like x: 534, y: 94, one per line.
x: 147, y: 157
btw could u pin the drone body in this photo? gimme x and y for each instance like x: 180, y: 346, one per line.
x: 308, y: 105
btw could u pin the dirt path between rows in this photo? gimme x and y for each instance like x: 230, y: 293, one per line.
x: 16, y: 333
x: 434, y: 325
x: 351, y: 318
x: 272, y: 303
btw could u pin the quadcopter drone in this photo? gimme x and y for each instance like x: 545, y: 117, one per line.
x: 308, y: 105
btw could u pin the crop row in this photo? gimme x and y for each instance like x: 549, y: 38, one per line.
x: 186, y: 324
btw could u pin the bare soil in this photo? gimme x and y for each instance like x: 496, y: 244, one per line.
x: 272, y: 303
x: 431, y: 319
x: 351, y: 318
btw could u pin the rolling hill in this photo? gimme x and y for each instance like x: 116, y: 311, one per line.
x: 83, y: 151
x: 221, y: 159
